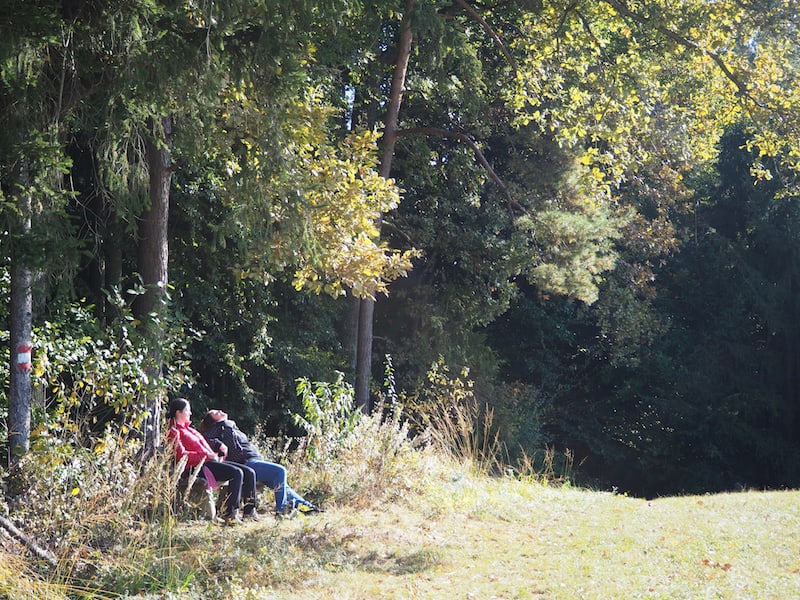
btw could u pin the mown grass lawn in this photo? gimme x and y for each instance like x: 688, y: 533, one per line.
x: 477, y: 537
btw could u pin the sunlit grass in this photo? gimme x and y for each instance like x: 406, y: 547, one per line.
x: 511, y: 540
x: 415, y: 521
x: 465, y: 535
x: 471, y: 536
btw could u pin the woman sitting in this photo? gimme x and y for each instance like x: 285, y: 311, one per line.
x: 218, y: 428
x: 190, y: 443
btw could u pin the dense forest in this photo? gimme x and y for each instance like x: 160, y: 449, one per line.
x: 584, y: 212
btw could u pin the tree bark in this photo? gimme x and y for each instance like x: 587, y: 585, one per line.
x: 364, y: 354
x: 152, y: 260
x: 367, y: 309
x: 349, y: 330
x: 19, y: 398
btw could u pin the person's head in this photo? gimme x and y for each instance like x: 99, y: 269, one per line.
x: 180, y: 411
x: 213, y: 416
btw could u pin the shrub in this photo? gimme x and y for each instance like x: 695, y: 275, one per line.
x: 448, y: 413
x: 352, y: 457
x: 82, y: 489
x: 329, y: 418
x: 106, y: 516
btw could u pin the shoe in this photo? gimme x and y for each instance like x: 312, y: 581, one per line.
x: 251, y: 516
x: 232, y: 518
x: 306, y: 509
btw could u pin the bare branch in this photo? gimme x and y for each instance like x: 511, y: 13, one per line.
x: 37, y: 550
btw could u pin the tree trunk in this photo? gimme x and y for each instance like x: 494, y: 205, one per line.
x: 364, y: 354
x: 19, y: 397
x: 152, y: 257
x: 348, y: 331
x: 105, y: 270
x: 367, y: 309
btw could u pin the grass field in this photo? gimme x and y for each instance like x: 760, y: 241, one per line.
x: 465, y: 536
x: 476, y: 537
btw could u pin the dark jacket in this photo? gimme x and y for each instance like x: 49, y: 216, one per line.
x: 240, y: 450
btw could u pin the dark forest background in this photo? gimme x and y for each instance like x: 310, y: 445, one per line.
x: 638, y: 310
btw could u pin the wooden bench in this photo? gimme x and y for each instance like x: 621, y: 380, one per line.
x: 201, y: 500
x: 195, y: 496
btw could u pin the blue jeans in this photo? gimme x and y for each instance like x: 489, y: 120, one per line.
x: 274, y: 476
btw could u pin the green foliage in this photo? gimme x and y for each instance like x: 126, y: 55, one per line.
x: 313, y: 207
x: 251, y: 349
x: 97, y: 375
x: 351, y: 457
x: 329, y: 417
x: 737, y: 328
x: 598, y: 79
x: 518, y: 417
x: 595, y: 118
x: 32, y: 167
x: 680, y: 380
x: 577, y: 250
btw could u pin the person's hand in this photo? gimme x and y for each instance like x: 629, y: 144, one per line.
x: 223, y: 450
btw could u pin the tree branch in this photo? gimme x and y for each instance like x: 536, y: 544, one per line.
x: 488, y: 29
x: 30, y: 544
x: 464, y: 138
x: 622, y: 8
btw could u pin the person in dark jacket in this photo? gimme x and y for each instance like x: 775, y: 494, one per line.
x: 219, y: 429
x: 188, y: 442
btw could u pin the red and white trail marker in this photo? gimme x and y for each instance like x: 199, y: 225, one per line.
x: 24, y: 357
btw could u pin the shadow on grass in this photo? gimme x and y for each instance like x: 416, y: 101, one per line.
x: 337, y: 552
x: 403, y: 564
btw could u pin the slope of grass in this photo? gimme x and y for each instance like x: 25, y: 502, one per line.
x: 422, y: 526
x: 468, y: 536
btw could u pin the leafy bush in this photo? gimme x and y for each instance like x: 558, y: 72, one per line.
x: 101, y: 512
x: 329, y: 418
x: 83, y: 487
x: 352, y: 457
x: 97, y: 374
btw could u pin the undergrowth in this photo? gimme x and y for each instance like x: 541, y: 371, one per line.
x: 108, y: 518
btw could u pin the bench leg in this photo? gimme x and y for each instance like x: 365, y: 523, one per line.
x: 199, y: 501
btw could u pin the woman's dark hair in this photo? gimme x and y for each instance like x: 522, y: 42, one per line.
x: 176, y: 406
x: 206, y: 423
